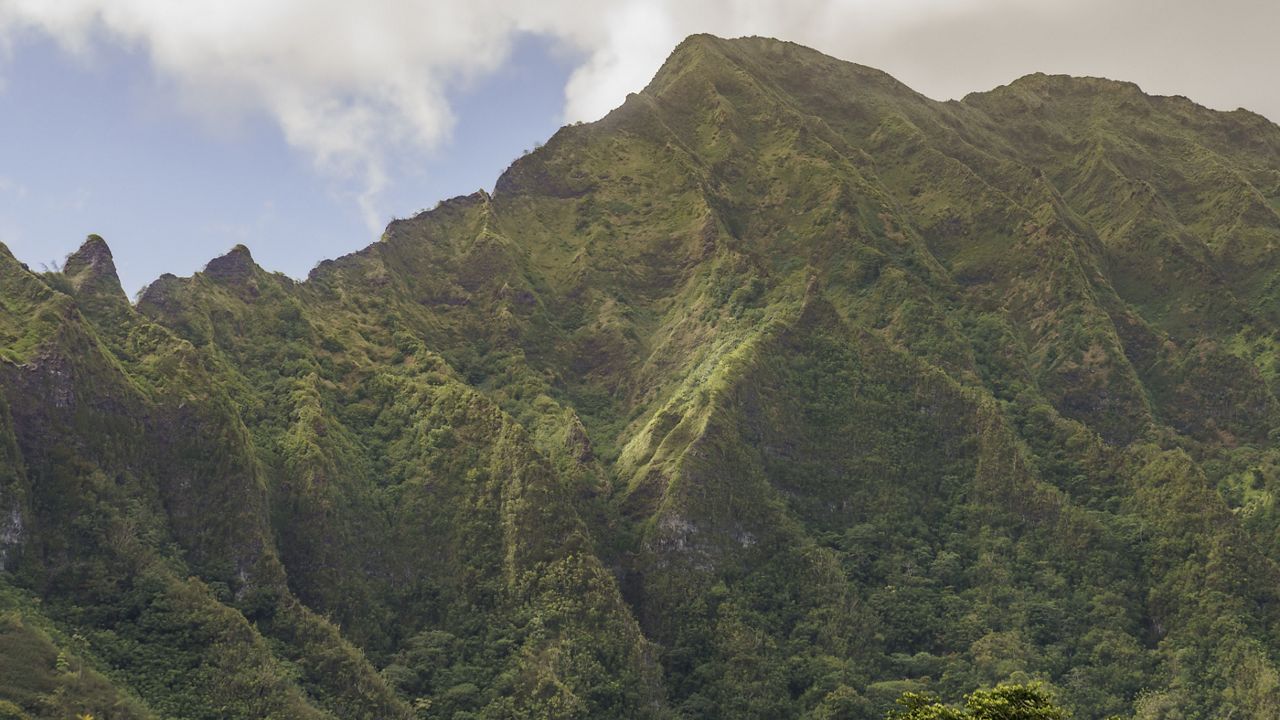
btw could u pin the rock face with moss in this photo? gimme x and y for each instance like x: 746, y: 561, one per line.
x: 779, y: 392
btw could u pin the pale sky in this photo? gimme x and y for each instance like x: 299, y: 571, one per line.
x: 177, y: 129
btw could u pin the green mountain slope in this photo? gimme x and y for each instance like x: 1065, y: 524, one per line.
x: 779, y: 391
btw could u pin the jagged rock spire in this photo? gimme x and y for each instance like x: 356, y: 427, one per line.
x: 236, y: 266
x: 92, y: 271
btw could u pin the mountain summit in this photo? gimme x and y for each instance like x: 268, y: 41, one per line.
x: 778, y: 392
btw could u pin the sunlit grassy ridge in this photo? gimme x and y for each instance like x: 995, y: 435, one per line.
x: 778, y: 392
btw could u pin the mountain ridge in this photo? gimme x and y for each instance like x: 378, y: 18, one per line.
x: 777, y: 392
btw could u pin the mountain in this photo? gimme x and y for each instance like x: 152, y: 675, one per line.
x: 780, y: 391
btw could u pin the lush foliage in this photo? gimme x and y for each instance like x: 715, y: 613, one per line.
x: 1004, y: 702
x: 782, y: 391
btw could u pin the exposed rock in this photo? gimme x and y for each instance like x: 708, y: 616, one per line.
x: 577, y: 442
x: 12, y: 535
x: 94, y: 254
x: 235, y: 267
x: 92, y: 272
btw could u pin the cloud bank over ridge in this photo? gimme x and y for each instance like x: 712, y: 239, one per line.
x: 352, y: 85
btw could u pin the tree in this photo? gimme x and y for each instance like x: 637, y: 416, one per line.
x: 1007, y: 701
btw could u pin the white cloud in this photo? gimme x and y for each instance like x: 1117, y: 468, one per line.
x: 347, y: 83
x: 353, y: 84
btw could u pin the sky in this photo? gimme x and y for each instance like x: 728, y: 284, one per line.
x: 177, y: 129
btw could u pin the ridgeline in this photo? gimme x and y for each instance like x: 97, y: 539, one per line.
x: 781, y: 391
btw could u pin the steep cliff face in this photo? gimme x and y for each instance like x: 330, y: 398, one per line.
x: 15, y: 494
x: 777, y: 392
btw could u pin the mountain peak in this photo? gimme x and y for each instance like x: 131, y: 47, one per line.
x: 767, y: 69
x: 94, y: 254
x: 92, y: 270
x: 1074, y: 84
x: 234, y: 267
x: 702, y: 47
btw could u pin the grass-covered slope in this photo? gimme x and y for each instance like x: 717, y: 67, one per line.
x: 778, y: 392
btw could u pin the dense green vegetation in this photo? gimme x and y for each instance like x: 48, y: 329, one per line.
x: 781, y: 391
x: 1004, y: 702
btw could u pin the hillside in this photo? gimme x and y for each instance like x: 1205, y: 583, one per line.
x: 780, y: 391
